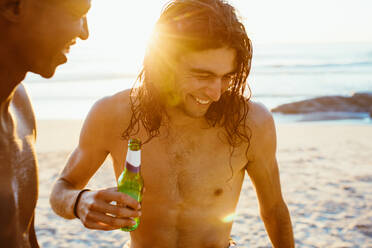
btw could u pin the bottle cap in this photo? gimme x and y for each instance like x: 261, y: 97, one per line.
x: 134, y: 144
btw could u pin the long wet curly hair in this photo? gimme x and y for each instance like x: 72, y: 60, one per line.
x: 186, y: 26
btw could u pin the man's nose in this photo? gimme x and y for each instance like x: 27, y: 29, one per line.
x: 84, y: 32
x: 214, y: 89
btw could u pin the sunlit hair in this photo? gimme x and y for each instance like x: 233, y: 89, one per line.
x: 188, y: 26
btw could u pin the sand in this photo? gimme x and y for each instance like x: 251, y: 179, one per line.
x: 326, y: 176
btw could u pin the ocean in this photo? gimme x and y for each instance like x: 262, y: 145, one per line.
x: 281, y: 73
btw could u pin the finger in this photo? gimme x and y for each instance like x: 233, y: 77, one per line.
x: 110, y: 195
x: 98, y: 226
x: 113, y: 189
x: 118, y: 211
x: 110, y: 221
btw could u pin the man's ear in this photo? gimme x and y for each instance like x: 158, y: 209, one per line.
x: 11, y: 10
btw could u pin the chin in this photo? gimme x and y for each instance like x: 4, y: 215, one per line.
x: 47, y: 74
x: 46, y: 71
x: 195, y: 114
x: 47, y: 68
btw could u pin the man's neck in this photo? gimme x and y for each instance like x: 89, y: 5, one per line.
x: 11, y: 74
x: 9, y: 80
x: 180, y: 120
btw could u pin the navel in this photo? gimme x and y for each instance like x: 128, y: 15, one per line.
x: 218, y: 192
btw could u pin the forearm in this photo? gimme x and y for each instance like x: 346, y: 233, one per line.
x: 279, y: 227
x: 63, y: 197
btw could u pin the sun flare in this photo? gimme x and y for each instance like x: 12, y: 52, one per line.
x: 229, y: 218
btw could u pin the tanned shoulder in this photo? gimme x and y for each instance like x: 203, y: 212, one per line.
x: 22, y: 105
x: 108, y: 116
x: 258, y: 114
x: 114, y: 109
x: 261, y: 123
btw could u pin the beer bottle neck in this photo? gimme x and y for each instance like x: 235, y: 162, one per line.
x: 133, y: 160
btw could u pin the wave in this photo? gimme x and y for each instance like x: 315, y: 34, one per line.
x: 293, y: 95
x: 318, y: 65
x: 84, y: 76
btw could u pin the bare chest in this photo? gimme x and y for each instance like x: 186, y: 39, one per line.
x: 198, y: 169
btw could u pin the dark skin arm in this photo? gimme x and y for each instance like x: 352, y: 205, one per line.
x: 32, y: 234
x: 7, y: 211
x: 8, y: 227
x: 264, y: 173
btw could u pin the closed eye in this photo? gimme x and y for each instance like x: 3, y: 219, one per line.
x: 203, y: 76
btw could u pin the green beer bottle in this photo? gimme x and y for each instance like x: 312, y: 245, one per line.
x: 130, y: 181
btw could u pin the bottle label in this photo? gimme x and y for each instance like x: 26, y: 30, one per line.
x: 131, y: 168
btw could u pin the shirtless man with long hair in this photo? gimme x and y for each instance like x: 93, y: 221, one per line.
x: 200, y: 132
x: 35, y: 36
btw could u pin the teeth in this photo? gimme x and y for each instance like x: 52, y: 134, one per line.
x: 200, y: 101
x: 66, y: 50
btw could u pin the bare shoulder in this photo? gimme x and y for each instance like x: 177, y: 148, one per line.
x: 21, y: 104
x: 261, y: 123
x: 259, y: 115
x: 21, y: 97
x: 111, y: 109
x: 108, y: 116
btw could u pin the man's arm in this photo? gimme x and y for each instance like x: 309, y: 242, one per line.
x: 93, y: 207
x: 8, y: 228
x: 32, y: 234
x: 264, y: 173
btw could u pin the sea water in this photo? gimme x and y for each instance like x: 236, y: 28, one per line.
x: 281, y: 73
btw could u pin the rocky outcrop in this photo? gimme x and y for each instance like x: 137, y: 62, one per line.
x: 358, y: 102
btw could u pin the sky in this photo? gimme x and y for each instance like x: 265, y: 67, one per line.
x: 267, y: 21
x: 300, y: 21
x: 123, y: 27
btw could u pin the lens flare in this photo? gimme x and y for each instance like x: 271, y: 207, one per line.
x: 229, y: 218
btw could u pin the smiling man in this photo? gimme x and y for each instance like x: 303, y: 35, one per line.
x: 35, y: 36
x: 201, y: 135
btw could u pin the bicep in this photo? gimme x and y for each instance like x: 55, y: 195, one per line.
x: 91, y: 151
x: 81, y: 166
x: 263, y: 169
x: 265, y: 179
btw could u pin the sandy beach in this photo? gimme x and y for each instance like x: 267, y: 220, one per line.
x: 326, y: 176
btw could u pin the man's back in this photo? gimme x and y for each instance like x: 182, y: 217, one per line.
x: 19, y: 172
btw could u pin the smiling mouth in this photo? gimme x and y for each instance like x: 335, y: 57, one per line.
x: 201, y: 101
x: 66, y: 49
